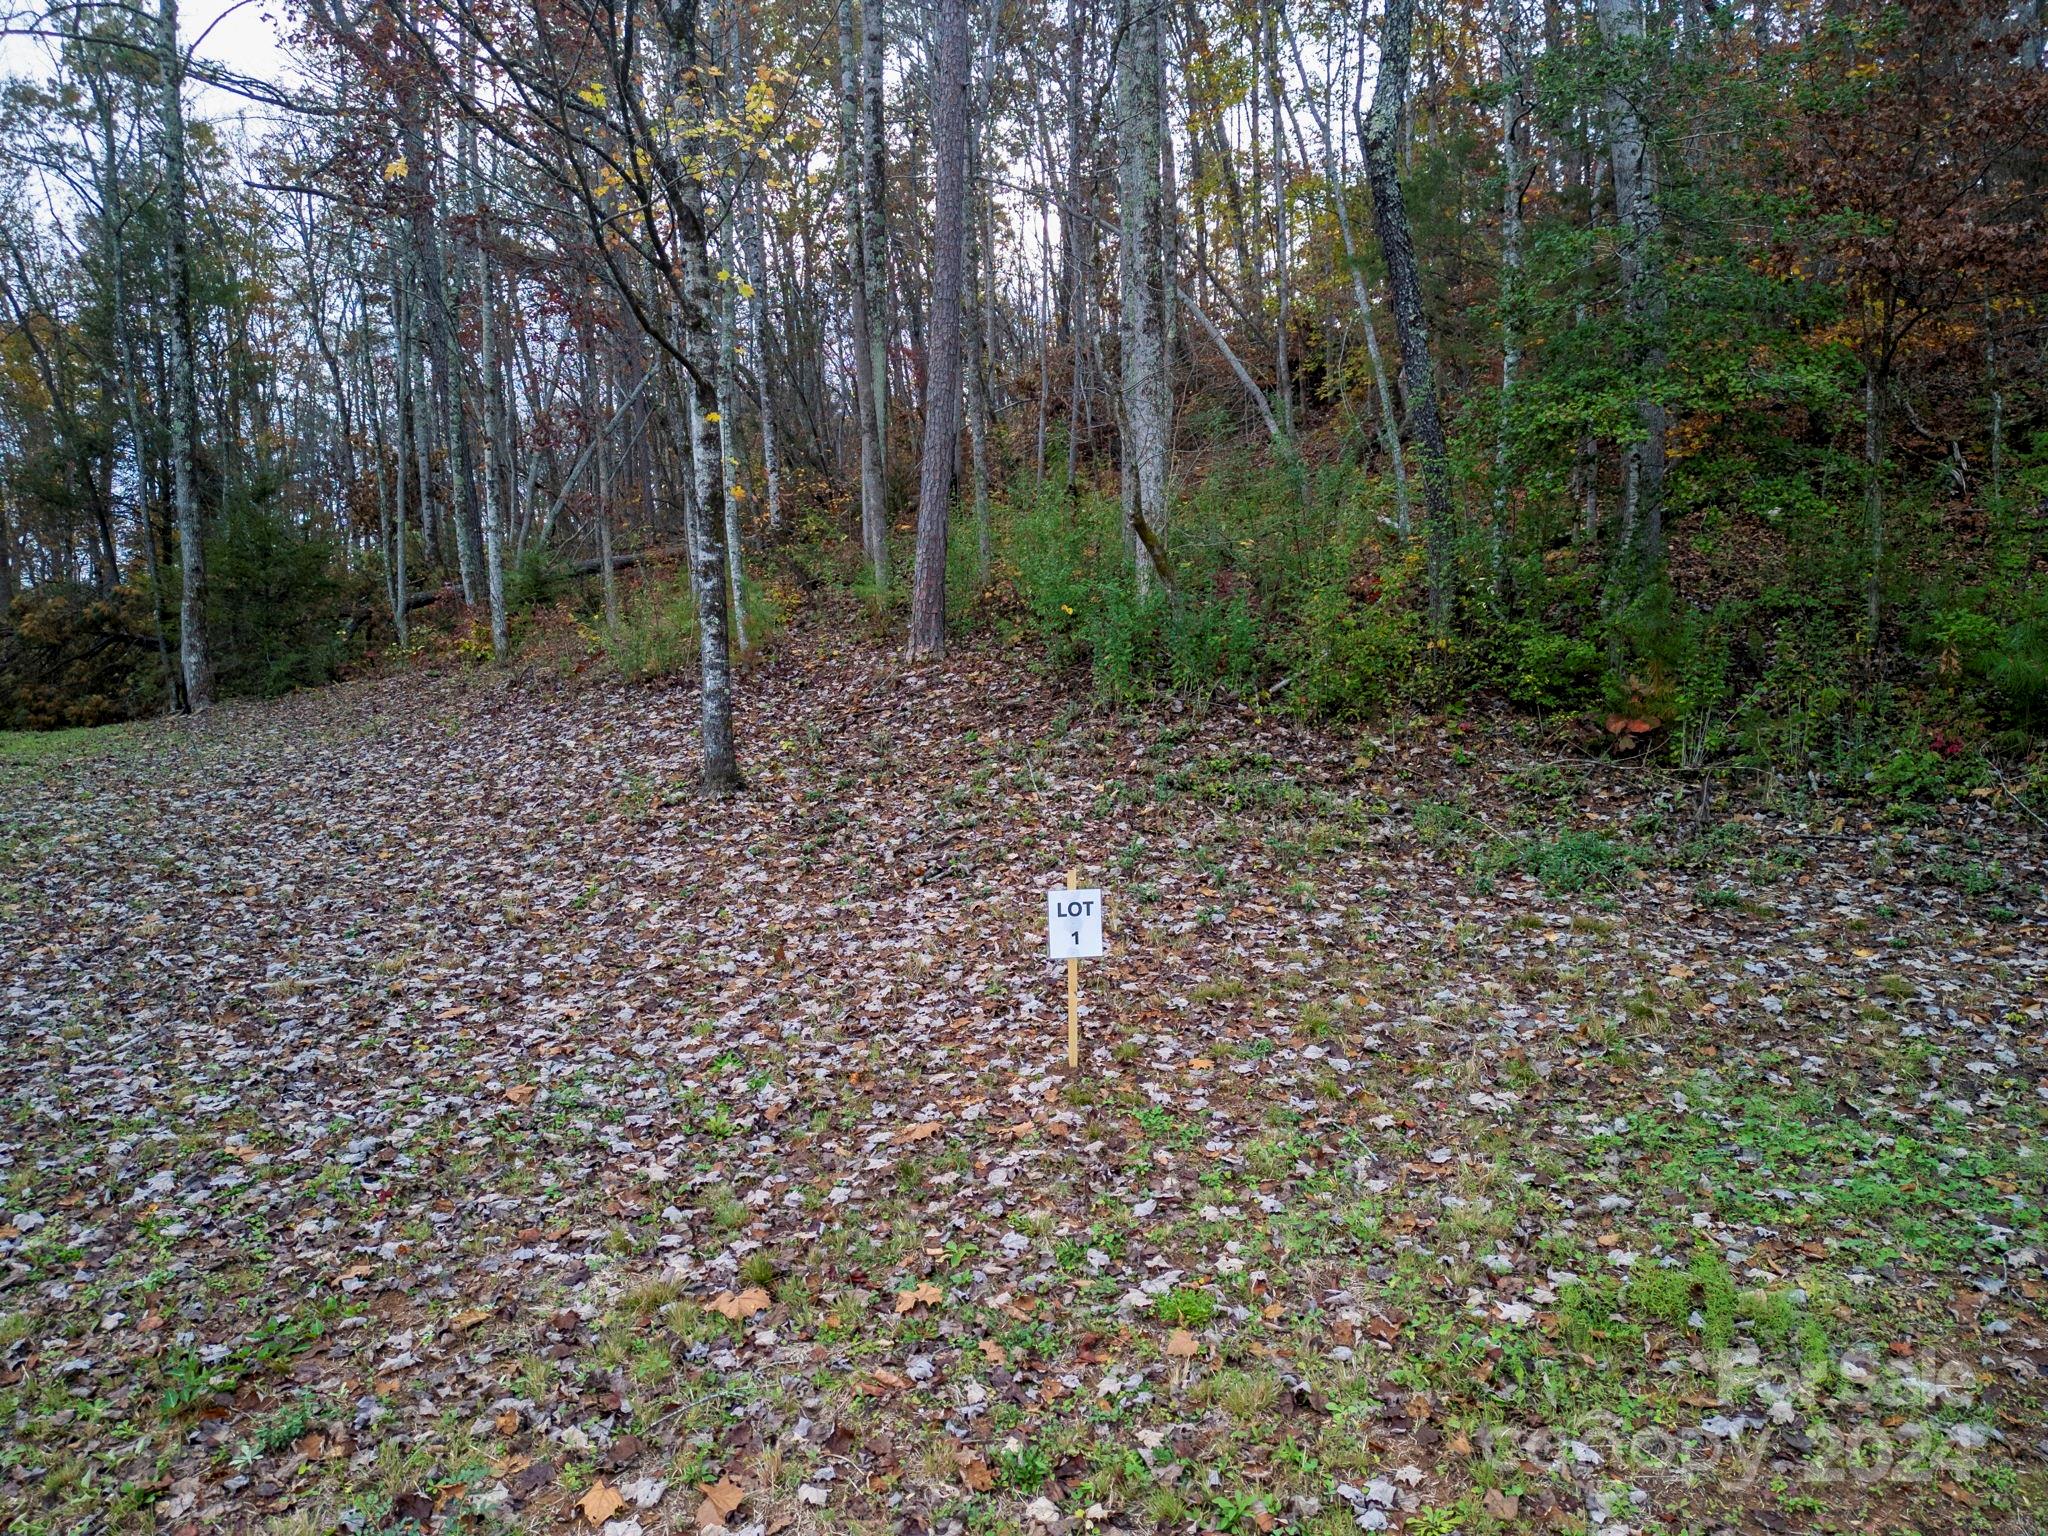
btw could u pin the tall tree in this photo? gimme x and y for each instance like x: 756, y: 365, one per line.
x: 869, y: 411
x: 1634, y: 161
x: 1142, y: 286
x: 195, y: 657
x: 943, y: 340
x: 1379, y: 129
x: 874, y: 235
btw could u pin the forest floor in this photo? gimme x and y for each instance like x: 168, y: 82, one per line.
x: 421, y: 1106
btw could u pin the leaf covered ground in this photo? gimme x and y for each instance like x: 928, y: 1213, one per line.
x: 422, y: 1111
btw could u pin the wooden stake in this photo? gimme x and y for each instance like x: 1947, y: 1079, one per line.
x: 1073, y: 994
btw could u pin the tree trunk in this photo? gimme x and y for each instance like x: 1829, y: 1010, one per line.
x: 1380, y: 132
x: 874, y: 213
x: 113, y: 220
x: 1390, y: 426
x: 401, y: 337
x: 1513, y: 109
x: 1876, y: 386
x: 874, y: 515
x: 443, y: 351
x: 594, y: 424
x: 1075, y: 236
x: 420, y: 389
x: 1635, y: 202
x: 728, y: 457
x: 493, y: 518
x: 981, y: 325
x: 1269, y: 52
x: 196, y: 659
x: 707, y: 525
x: 1141, y: 290
x: 942, y: 368
x: 757, y: 342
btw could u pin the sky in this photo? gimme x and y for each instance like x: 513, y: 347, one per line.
x: 241, y: 35
x: 243, y: 38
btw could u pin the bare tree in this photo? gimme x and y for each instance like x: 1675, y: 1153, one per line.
x: 870, y: 423
x: 195, y: 658
x: 1379, y: 129
x: 942, y: 367
x: 1635, y: 202
x: 1142, y: 289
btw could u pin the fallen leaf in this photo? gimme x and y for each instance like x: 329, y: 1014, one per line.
x: 720, y: 1499
x: 923, y: 1293
x: 917, y: 1132
x: 601, y: 1502
x: 753, y: 1299
x: 1181, y: 1345
x: 520, y: 1093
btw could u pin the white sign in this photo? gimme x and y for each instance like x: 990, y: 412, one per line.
x: 1073, y: 924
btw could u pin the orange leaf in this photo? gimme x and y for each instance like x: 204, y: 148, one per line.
x: 1181, y: 1345
x: 601, y: 1502
x: 753, y: 1299
x: 720, y: 1499
x: 520, y: 1093
x: 923, y: 1292
x: 917, y: 1132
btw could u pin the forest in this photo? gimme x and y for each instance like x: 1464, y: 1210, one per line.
x: 1681, y: 368
x: 579, y: 579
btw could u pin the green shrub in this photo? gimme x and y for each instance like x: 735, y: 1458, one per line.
x: 656, y: 635
x: 1554, y: 671
x: 2017, y: 672
x: 277, y: 617
x: 1080, y: 595
x: 1920, y: 774
x: 71, y: 656
x: 534, y: 580
x: 1362, y: 638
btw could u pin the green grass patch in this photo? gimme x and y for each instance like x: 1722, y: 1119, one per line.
x: 35, y: 749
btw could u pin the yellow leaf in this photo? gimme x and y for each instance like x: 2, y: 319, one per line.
x: 924, y: 1291
x: 720, y: 1499
x: 753, y: 1299
x: 601, y: 1502
x: 395, y: 170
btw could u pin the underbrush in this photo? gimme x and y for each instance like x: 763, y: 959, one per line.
x: 1296, y: 590
x: 656, y: 633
